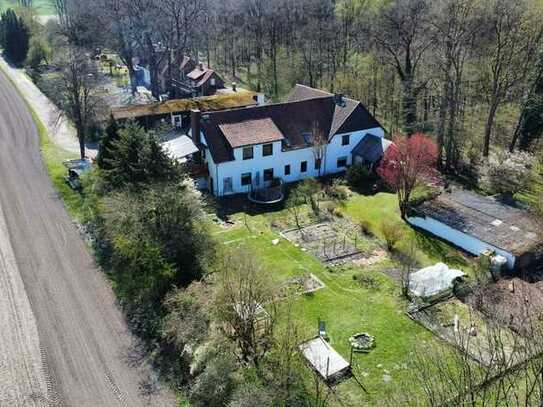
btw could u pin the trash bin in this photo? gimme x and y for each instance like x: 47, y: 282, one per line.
x: 498, y: 264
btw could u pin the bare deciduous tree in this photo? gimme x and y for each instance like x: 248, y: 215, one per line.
x: 74, y: 90
x: 245, y: 302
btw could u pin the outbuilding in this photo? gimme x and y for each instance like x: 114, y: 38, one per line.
x: 480, y: 224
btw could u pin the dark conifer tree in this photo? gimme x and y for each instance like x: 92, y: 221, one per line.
x: 14, y: 37
x: 106, y: 144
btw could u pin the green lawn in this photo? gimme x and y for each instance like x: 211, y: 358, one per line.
x: 374, y: 208
x: 345, y: 305
x: 53, y: 157
x: 43, y: 7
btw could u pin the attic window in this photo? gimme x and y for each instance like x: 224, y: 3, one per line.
x: 346, y: 140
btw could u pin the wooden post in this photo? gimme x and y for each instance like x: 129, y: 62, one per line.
x: 327, y: 367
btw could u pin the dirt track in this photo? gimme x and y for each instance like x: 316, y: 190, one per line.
x: 87, y: 355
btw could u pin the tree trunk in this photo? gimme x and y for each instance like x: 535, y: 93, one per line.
x: 409, y: 106
x: 488, y: 126
x: 81, y: 139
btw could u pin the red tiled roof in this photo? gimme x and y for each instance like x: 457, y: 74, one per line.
x: 251, y: 132
x: 205, y: 78
x: 195, y: 74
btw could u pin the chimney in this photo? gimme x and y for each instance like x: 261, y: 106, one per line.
x: 195, y: 125
x: 234, y: 87
x: 260, y: 99
x: 340, y: 101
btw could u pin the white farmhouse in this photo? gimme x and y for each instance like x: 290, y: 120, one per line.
x: 314, y: 133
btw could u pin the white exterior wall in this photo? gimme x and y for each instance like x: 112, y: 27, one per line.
x: 258, y: 164
x: 336, y: 150
x: 468, y: 243
x: 280, y: 159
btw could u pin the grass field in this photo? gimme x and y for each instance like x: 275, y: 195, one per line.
x: 346, y: 305
x: 43, y: 7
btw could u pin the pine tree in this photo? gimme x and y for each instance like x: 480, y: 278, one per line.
x: 14, y: 37
x: 106, y: 144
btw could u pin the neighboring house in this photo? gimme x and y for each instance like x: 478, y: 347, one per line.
x: 477, y: 224
x: 247, y: 148
x: 190, y: 79
x: 203, y: 81
x: 176, y: 112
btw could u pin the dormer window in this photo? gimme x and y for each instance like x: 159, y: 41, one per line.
x: 346, y: 140
x: 247, y: 153
x: 267, y: 150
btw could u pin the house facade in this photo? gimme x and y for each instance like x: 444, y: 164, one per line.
x: 314, y: 133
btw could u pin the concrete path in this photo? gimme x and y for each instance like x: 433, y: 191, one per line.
x: 63, y: 339
x: 60, y: 130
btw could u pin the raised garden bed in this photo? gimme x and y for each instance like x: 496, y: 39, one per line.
x: 305, y: 284
x: 335, y: 243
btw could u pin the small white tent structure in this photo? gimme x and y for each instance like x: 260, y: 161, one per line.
x: 433, y: 283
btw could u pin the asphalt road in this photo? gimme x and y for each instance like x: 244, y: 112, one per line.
x: 88, y: 356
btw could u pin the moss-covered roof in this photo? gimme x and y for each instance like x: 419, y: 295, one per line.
x: 221, y: 101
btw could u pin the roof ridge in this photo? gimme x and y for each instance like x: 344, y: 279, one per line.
x: 314, y: 89
x: 268, y: 105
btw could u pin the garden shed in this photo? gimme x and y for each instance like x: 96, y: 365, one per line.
x: 479, y: 224
x: 324, y: 360
x: 433, y: 283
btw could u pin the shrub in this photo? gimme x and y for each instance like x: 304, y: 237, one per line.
x: 338, y: 191
x: 365, y: 228
x: 358, y: 175
x: 507, y: 173
x: 368, y: 281
x: 392, y: 233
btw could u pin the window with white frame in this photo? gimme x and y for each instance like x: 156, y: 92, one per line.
x: 248, y: 153
x: 268, y: 174
x: 246, y: 179
x: 267, y: 149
